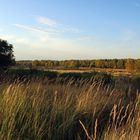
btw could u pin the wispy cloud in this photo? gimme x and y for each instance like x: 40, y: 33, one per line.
x: 36, y: 29
x: 49, y: 30
x: 51, y: 39
x: 27, y: 47
x: 46, y: 21
x: 56, y: 25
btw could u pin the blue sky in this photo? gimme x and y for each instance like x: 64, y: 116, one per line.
x: 71, y: 29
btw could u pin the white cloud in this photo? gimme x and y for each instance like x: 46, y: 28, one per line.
x: 46, y: 21
x: 54, y: 25
x: 44, y: 46
x: 48, y: 30
x: 32, y: 28
x: 53, y: 42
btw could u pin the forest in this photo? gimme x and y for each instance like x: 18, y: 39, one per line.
x: 129, y: 64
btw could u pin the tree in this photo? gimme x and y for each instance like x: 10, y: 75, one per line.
x: 6, y: 54
x: 137, y: 65
x: 74, y: 63
x: 130, y: 65
x: 120, y: 64
x: 99, y: 64
x: 35, y: 63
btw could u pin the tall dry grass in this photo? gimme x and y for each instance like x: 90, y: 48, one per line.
x: 37, y: 111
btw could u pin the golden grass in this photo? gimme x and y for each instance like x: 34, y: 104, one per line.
x: 34, y: 111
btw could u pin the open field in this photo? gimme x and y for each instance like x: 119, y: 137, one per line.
x: 68, y: 105
x: 115, y: 67
x: 115, y: 72
x: 87, y: 109
x: 69, y: 70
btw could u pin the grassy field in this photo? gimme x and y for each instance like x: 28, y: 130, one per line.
x: 114, y: 72
x: 84, y: 110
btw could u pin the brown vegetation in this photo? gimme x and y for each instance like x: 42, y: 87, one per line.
x: 37, y: 111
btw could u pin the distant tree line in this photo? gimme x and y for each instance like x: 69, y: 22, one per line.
x: 7, y: 59
x: 129, y: 64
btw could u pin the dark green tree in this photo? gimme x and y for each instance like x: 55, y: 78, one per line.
x: 6, y: 54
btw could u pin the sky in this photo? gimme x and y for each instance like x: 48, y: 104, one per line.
x: 71, y: 29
